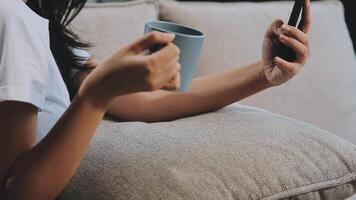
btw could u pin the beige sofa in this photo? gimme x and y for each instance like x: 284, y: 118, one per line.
x: 324, y: 94
x: 239, y: 152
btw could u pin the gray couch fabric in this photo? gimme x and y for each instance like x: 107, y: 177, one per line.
x: 238, y: 152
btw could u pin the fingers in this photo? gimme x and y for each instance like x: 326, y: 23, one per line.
x: 165, y: 55
x: 273, y: 30
x: 305, y: 23
x: 173, y: 84
x: 164, y: 66
x: 149, y: 40
x: 301, y: 50
x: 291, y: 68
x: 167, y: 77
x: 164, y: 62
x: 296, y: 33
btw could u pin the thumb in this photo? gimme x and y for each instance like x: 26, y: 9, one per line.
x: 273, y: 29
x: 149, y: 40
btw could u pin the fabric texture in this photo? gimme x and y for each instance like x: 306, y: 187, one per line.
x: 28, y: 71
x: 238, y: 152
x: 322, y: 94
x: 110, y: 26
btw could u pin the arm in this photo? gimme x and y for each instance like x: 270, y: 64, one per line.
x: 20, y: 138
x: 41, y: 171
x: 206, y: 94
x: 213, y: 92
x: 216, y: 91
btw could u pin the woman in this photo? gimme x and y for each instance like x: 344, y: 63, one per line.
x: 43, y: 136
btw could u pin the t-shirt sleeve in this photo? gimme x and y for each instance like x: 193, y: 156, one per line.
x: 23, y: 62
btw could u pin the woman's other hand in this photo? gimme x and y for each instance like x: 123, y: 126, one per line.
x: 276, y: 69
x: 129, y: 70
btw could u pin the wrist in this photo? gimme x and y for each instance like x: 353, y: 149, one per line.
x: 265, y: 83
x: 99, y: 102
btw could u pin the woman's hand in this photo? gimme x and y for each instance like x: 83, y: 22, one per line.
x: 129, y: 70
x: 276, y: 69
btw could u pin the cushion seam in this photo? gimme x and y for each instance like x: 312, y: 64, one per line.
x: 312, y: 187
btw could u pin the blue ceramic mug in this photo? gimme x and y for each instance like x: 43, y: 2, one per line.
x: 189, y: 41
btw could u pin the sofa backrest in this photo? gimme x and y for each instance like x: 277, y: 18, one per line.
x: 109, y: 26
x: 350, y: 7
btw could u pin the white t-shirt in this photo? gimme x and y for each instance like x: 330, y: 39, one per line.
x: 28, y: 71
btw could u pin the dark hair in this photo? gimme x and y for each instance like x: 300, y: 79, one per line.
x: 60, y: 14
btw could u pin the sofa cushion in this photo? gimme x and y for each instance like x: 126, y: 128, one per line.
x: 323, y: 94
x: 235, y: 153
x: 109, y: 26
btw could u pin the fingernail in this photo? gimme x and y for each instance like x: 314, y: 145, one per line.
x: 286, y: 28
x: 276, y: 59
x: 170, y: 35
x: 279, y: 31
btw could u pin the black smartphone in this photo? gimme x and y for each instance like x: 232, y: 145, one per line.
x: 284, y: 51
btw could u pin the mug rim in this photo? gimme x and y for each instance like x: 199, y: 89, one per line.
x: 198, y: 35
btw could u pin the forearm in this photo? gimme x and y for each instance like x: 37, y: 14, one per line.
x: 228, y: 87
x: 43, y: 172
x: 206, y: 94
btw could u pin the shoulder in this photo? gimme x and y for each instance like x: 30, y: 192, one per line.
x: 10, y: 10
